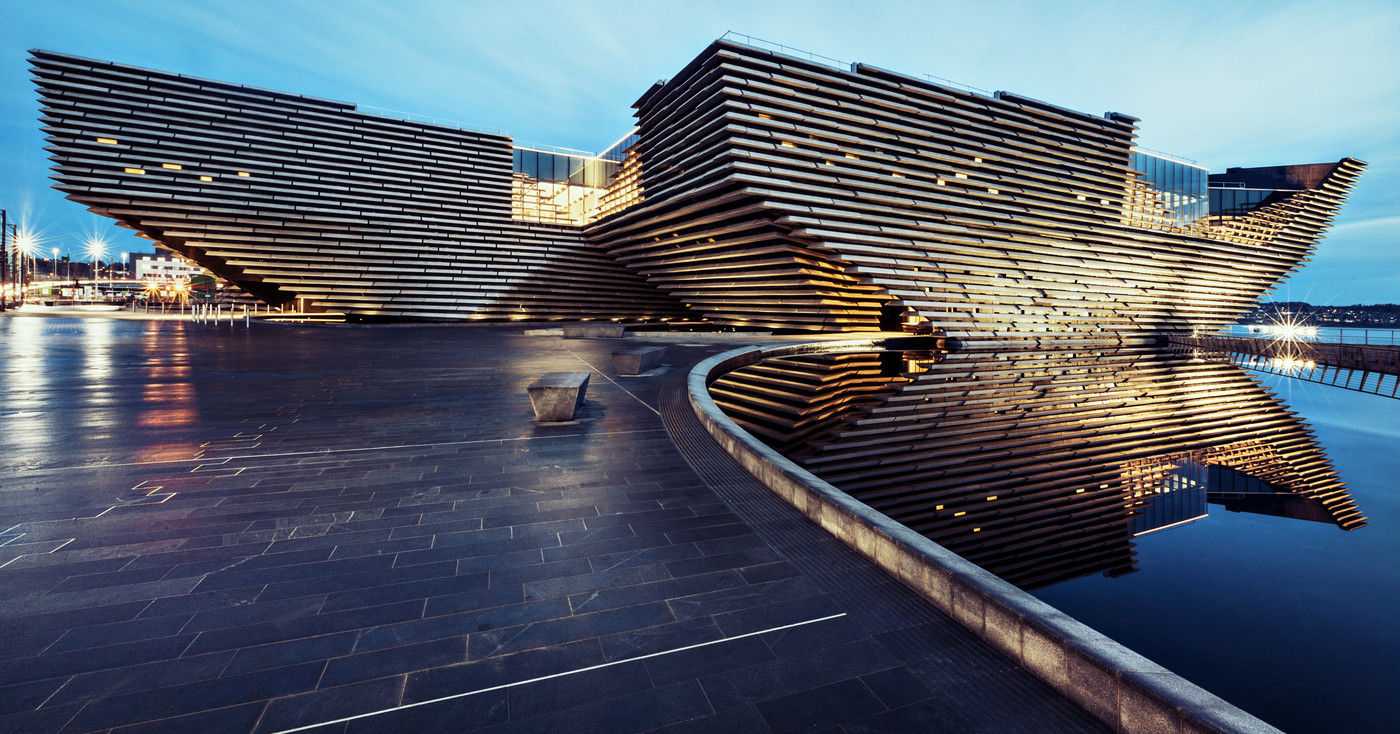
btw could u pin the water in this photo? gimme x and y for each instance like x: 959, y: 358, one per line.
x: 1041, y: 466
x: 1292, y: 621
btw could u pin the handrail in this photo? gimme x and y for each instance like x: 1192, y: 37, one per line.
x: 757, y: 42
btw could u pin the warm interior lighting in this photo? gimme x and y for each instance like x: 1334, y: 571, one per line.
x: 244, y: 174
x: 1079, y: 491
x: 853, y: 156
x: 937, y: 507
x: 959, y: 513
x: 206, y: 179
x: 765, y: 116
x: 977, y: 530
x: 137, y: 171
x: 789, y: 144
x: 172, y: 166
x: 992, y: 498
x: 107, y: 141
x: 993, y: 192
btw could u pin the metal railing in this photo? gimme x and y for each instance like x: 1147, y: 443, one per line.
x: 1366, y: 336
x: 756, y: 42
x: 801, y: 53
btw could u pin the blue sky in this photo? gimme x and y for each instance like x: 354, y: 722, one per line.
x: 1237, y: 83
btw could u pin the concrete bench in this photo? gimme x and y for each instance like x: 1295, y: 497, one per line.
x: 555, y: 396
x: 638, y: 360
x: 599, y: 330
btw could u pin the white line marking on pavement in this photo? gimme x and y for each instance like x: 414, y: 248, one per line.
x: 324, y: 452
x: 560, y: 675
x: 614, y: 382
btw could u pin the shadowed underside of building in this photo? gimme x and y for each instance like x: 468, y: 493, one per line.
x: 759, y: 190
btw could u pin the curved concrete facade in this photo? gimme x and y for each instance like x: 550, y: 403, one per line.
x: 762, y: 190
x: 1120, y: 687
x: 292, y: 197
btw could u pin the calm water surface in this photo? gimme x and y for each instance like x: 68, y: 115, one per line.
x: 1296, y: 622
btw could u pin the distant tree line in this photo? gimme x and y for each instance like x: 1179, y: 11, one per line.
x: 1374, y: 315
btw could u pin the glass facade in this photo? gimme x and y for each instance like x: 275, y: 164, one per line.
x: 1234, y: 201
x: 1180, y: 496
x: 1176, y: 191
x: 556, y: 187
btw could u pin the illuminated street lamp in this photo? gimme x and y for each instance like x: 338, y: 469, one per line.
x: 26, y: 247
x: 54, y: 251
x: 124, y: 258
x: 96, y: 249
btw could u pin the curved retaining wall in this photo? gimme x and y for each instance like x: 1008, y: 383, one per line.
x: 1119, y: 686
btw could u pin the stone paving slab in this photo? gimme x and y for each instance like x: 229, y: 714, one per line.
x: 218, y: 529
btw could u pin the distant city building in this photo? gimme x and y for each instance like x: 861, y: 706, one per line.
x: 758, y: 190
x: 164, y: 267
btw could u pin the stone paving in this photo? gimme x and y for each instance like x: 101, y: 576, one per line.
x: 362, y: 529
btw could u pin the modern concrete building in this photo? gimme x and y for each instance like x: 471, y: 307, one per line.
x: 758, y: 190
x: 163, y: 267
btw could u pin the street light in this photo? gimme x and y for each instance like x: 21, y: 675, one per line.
x: 54, y: 252
x: 124, y: 257
x: 96, y: 249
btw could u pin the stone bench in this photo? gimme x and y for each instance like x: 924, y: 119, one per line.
x: 599, y: 330
x: 638, y: 360
x: 555, y: 396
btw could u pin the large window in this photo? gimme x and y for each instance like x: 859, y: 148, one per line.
x: 556, y: 187
x: 1172, y: 192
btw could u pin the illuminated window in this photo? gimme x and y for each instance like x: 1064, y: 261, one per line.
x: 206, y: 179
x: 172, y: 166
x: 1079, y: 491
x: 976, y: 160
x: 941, y: 182
x: 244, y: 174
x: 853, y: 156
x: 765, y: 116
x: 107, y: 141
x: 993, y: 192
x: 992, y: 498
x: 137, y: 171
x: 959, y: 513
x: 1083, y: 197
x: 937, y: 507
x: 897, y: 174
x: 789, y: 144
x: 960, y: 175
x: 977, y: 530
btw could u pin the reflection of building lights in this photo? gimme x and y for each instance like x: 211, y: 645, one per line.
x: 1292, y: 364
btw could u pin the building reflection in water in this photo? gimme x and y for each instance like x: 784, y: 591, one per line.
x: 1040, y: 465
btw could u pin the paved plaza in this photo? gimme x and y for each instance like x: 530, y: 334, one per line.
x: 350, y: 529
